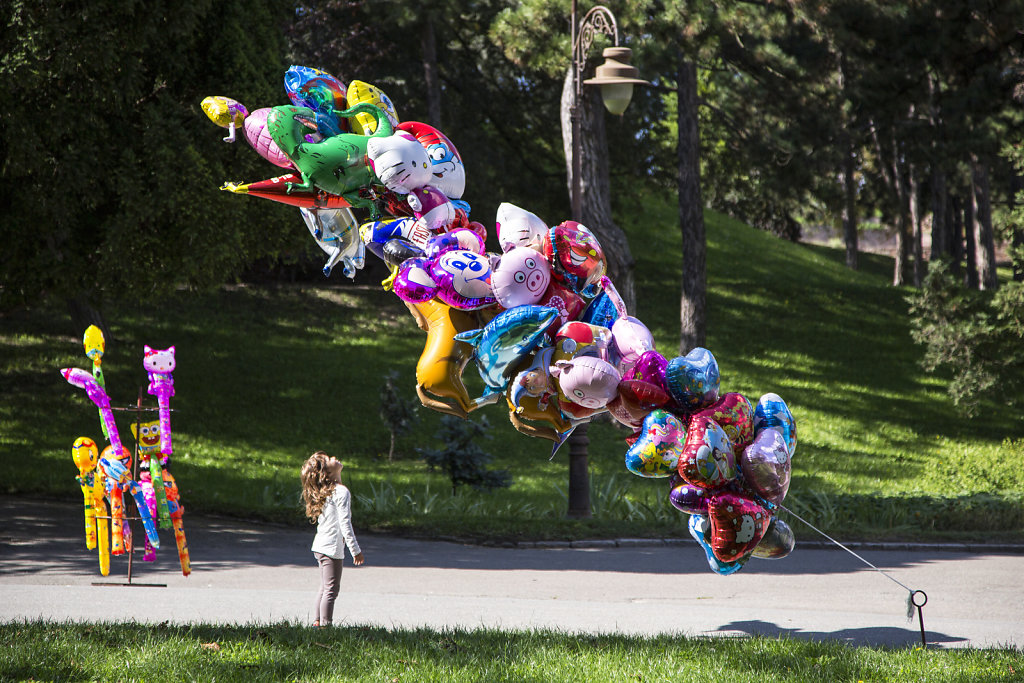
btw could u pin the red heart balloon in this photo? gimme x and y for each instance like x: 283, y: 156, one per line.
x: 737, y: 525
x: 707, y: 460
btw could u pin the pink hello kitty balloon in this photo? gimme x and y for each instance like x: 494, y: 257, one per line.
x: 520, y: 277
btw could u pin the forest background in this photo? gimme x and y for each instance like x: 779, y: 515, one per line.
x: 785, y: 115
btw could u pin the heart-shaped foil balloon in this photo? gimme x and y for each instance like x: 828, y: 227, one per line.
x: 635, y: 400
x: 737, y: 525
x: 765, y: 464
x: 656, y: 452
x: 686, y: 497
x: 735, y: 415
x: 772, y: 411
x: 707, y: 459
x: 699, y: 529
x: 778, y: 541
x: 650, y: 367
x: 693, y: 380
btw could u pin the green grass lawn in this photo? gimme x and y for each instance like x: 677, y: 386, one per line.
x: 282, y: 652
x: 268, y: 374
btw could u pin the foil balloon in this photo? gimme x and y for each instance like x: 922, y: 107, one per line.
x: 504, y: 342
x: 439, y: 370
x: 575, y: 339
x: 631, y: 340
x: 449, y: 174
x: 650, y: 367
x: 700, y: 528
x: 462, y: 239
x: 226, y: 113
x: 686, y: 497
x: 375, y: 234
x: 568, y: 303
x: 459, y: 278
x: 297, y: 80
x: 360, y: 92
x: 531, y: 398
x: 285, y: 190
x: 259, y: 138
x: 518, y: 227
x: 778, y: 541
x: 400, y: 162
x: 600, y: 311
x: 325, y: 95
x: 656, y: 452
x: 772, y: 412
x: 765, y: 464
x: 338, y: 164
x: 432, y: 208
x: 693, y: 380
x: 635, y: 400
x: 735, y: 415
x: 397, y: 251
x: 337, y: 234
x: 737, y: 525
x: 707, y: 460
x: 585, y: 381
x: 576, y: 257
x: 521, y: 277
x: 86, y: 455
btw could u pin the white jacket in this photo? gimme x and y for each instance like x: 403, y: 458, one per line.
x: 335, y: 524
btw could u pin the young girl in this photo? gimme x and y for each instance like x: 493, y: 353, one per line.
x: 329, y: 504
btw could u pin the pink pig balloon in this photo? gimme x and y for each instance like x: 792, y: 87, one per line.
x: 256, y: 133
x: 587, y: 381
x: 521, y: 277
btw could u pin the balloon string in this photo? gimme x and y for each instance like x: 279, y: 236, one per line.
x: 907, y: 588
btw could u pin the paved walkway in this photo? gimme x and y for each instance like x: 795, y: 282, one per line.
x: 248, y: 573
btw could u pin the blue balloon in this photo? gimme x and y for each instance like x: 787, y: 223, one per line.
x: 693, y: 379
x: 698, y: 524
x: 601, y: 312
x: 511, y: 336
x: 772, y: 412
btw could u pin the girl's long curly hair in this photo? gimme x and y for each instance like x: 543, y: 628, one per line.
x: 317, y: 485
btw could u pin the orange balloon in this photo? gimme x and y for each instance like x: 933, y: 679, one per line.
x: 439, y: 370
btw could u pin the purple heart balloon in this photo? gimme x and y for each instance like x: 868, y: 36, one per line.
x: 766, y: 464
x: 650, y: 367
x: 688, y: 498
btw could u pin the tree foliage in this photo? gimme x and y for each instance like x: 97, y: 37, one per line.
x: 111, y: 170
x: 461, y: 458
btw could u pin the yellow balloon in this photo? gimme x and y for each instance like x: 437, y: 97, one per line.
x: 360, y: 92
x: 224, y: 111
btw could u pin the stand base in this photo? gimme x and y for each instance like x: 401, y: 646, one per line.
x: 132, y: 583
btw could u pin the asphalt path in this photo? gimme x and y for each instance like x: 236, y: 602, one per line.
x: 246, y: 573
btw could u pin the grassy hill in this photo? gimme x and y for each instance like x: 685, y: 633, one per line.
x: 268, y: 374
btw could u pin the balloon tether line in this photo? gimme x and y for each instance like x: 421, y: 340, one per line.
x: 912, y: 593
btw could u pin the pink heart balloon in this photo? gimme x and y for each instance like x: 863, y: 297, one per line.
x: 766, y: 464
x: 737, y: 525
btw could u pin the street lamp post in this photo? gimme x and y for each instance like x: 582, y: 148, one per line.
x: 616, y: 78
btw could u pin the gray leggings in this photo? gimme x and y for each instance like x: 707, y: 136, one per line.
x: 330, y: 584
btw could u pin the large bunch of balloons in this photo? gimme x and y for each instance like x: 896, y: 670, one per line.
x: 106, y: 476
x: 540, y: 320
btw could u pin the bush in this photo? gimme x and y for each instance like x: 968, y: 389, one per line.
x: 461, y: 459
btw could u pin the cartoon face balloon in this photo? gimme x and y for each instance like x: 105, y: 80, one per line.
x: 446, y: 164
x: 359, y: 92
x: 586, y: 381
x: 521, y: 277
x: 400, y: 162
x: 459, y: 278
x: 518, y: 227
x: 575, y: 254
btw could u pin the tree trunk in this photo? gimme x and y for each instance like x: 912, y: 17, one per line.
x: 984, y: 236
x: 430, y: 78
x: 693, y: 301
x: 970, y: 245
x: 579, y: 473
x: 914, y: 201
x: 955, y: 219
x: 596, y: 207
x: 1017, y: 238
x: 940, y: 237
x: 850, y: 206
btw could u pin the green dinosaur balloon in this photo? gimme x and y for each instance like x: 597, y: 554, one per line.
x: 338, y: 164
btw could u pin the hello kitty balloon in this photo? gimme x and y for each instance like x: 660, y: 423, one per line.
x: 518, y: 227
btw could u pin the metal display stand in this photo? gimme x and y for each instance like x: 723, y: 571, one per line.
x: 137, y: 409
